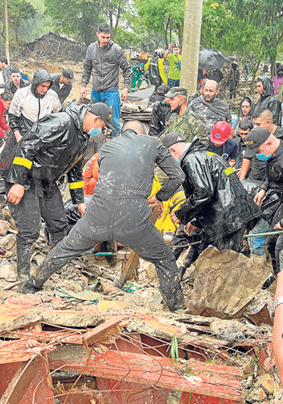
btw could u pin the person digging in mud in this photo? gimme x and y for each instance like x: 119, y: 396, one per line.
x: 215, y: 198
x: 52, y: 147
x: 119, y: 210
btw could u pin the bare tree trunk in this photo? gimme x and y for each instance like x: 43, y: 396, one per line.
x: 255, y: 68
x: 166, y: 31
x: 180, y: 33
x: 273, y: 69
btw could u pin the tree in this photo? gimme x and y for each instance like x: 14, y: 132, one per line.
x: 18, y: 10
x: 164, y: 17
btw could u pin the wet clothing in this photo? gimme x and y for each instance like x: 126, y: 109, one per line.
x: 6, y: 77
x: 3, y: 124
x: 274, y: 170
x: 241, y: 149
x: 210, y: 112
x: 175, y: 67
x: 105, y: 62
x: 28, y: 106
x: 188, y: 125
x: 228, y: 150
x: 119, y: 210
x: 159, y: 76
x: 159, y: 119
x: 62, y: 90
x: 278, y: 132
x: 215, y: 195
x: 240, y: 114
x: 269, y: 100
x: 10, y: 86
x: 50, y: 149
x: 53, y: 146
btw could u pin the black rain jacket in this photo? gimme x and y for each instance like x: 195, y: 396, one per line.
x: 10, y: 86
x: 105, y: 63
x: 269, y: 100
x: 55, y: 145
x: 215, y: 195
x: 159, y: 119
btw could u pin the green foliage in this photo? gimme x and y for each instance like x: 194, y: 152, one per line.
x: 174, y: 351
x: 162, y: 16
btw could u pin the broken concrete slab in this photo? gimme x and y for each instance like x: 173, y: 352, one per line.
x: 225, y: 283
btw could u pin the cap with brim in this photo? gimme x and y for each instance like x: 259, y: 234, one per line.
x: 69, y: 75
x: 255, y: 138
x: 172, y: 138
x: 103, y: 111
x: 161, y: 91
x: 176, y: 91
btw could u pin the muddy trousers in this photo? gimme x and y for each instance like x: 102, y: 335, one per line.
x: 126, y: 221
x: 27, y: 216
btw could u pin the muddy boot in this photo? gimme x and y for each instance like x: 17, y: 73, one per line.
x: 110, y: 246
x: 23, y: 268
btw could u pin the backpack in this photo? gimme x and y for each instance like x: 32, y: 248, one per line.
x: 154, y: 76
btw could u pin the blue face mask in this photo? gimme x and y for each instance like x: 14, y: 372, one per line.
x: 263, y: 157
x: 95, y: 132
x: 177, y: 161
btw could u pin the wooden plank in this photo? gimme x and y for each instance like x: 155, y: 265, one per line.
x: 103, y: 331
x: 133, y: 261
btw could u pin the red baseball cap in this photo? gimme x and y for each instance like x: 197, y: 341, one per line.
x: 220, y: 133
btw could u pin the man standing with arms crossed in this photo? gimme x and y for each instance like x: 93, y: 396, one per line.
x: 104, y: 58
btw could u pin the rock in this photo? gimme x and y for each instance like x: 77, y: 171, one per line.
x: 256, y: 396
x: 8, y: 271
x: 266, y: 381
x: 8, y: 242
x: 4, y: 227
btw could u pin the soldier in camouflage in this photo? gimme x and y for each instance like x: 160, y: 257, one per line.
x: 183, y: 120
x: 209, y: 108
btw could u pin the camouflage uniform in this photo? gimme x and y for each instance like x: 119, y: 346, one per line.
x: 188, y: 124
x: 207, y: 115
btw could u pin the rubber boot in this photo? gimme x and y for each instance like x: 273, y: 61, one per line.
x: 110, y: 246
x: 23, y: 268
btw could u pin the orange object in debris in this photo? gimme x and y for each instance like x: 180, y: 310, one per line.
x: 90, y: 174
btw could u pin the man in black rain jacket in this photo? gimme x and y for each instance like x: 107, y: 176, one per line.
x: 119, y: 209
x: 62, y: 84
x: 267, y: 98
x: 215, y: 196
x: 52, y: 147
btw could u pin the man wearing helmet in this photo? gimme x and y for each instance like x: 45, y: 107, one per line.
x: 222, y: 144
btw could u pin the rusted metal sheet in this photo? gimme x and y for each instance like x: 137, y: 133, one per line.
x: 25, y: 382
x: 197, y: 377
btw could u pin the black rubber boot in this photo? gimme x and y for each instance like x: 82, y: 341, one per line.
x: 23, y: 267
x: 110, y: 246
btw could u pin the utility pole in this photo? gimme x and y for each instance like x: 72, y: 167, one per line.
x: 191, y: 43
x: 6, y: 31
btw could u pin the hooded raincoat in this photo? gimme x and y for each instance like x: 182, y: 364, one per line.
x: 268, y: 99
x: 54, y: 146
x: 215, y: 195
x: 240, y: 114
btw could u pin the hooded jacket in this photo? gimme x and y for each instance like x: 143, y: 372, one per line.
x: 28, y: 106
x: 105, y: 63
x: 63, y: 91
x: 216, y: 198
x: 240, y: 114
x: 268, y: 99
x: 53, y: 146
